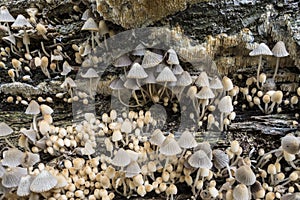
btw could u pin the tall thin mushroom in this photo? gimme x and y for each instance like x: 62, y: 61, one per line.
x: 279, y: 51
x: 90, y: 25
x: 261, y: 50
x: 90, y: 74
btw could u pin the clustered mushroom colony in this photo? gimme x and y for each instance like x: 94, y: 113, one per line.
x: 125, y: 153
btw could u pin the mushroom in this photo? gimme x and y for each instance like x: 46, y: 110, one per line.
x: 202, y: 80
x: 6, y: 17
x: 165, y: 76
x: 245, y: 175
x: 12, y: 176
x: 172, y: 57
x: 183, y: 81
x: 187, y: 141
x: 69, y: 84
x: 44, y: 66
x: 151, y: 59
x: 261, y: 50
x: 199, y: 160
x: 121, y: 159
x: 276, y: 98
x: 224, y: 106
x: 33, y: 109
x: 221, y: 160
x: 11, y: 74
x: 66, y: 69
x: 132, y: 169
x: 24, y: 185
x: 123, y: 61
x: 5, y: 130
x: 241, y: 192
x: 279, y: 51
x: 41, y: 29
x: 22, y: 23
x: 91, y: 74
x: 90, y: 25
x: 43, y: 182
x: 169, y: 148
x: 204, y: 95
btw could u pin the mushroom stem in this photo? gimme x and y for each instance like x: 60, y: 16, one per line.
x: 122, y: 102
x: 34, y: 123
x: 44, y: 50
x: 195, y: 182
x: 163, y: 90
x: 93, y: 40
x: 221, y: 121
x: 263, y: 157
x: 276, y: 68
x: 26, y: 44
x: 258, y: 71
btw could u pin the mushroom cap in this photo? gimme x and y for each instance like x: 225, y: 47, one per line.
x: 66, y: 68
x: 5, y: 129
x: 177, y: 69
x: 170, y: 147
x: 205, y: 93
x: 30, y: 134
x: 88, y: 149
x: 187, y: 140
x: 29, y: 159
x: 216, y: 83
x: 33, y: 108
x: 150, y: 78
x: 12, y: 176
x: 121, y: 158
x: 91, y: 73
x: 12, y: 157
x: 157, y: 137
x: 202, y: 80
x: 256, y: 187
x: 225, y: 105
x: 122, y: 61
x: 240, y: 192
x: 227, y: 83
x: 139, y: 50
x: 137, y: 72
x: 172, y: 57
x: 184, y: 79
x: 132, y: 169
x: 131, y: 84
x: 116, y: 136
x: 24, y: 185
x: 262, y: 49
x: 68, y: 82
x: 90, y: 25
x: 43, y: 182
x: 204, y: 146
x: 290, y: 144
x: 166, y: 75
x: 279, y: 50
x: 5, y: 16
x: 117, y: 84
x: 10, y: 38
x: 277, y: 96
x: 86, y: 14
x: 245, y: 175
x: 220, y: 159
x: 46, y: 110
x: 199, y: 159
x: 21, y: 23
x: 151, y: 59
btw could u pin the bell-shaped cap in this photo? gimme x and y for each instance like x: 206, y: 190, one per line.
x: 170, y: 147
x: 12, y: 157
x: 240, y: 192
x: 157, y: 137
x: 12, y: 176
x: 5, y: 16
x: 132, y: 169
x: 187, y: 140
x: 43, y: 182
x: 205, y: 93
x: 225, y: 105
x: 91, y: 73
x: 24, y: 186
x: 33, y: 108
x: 122, y: 61
x: 90, y: 25
x: 202, y: 80
x: 290, y: 144
x: 172, y: 57
x: 199, y: 159
x: 220, y: 159
x: 137, y: 72
x: 184, y: 79
x: 21, y: 23
x: 5, y: 129
x: 245, y: 175
x: 121, y: 159
x: 262, y: 49
x: 151, y: 59
x: 166, y: 75
x: 279, y: 50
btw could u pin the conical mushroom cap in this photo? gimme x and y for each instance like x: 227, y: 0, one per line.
x: 184, y: 79
x: 12, y: 157
x: 245, y: 175
x: 122, y: 61
x: 290, y: 144
x: 202, y: 80
x: 86, y: 14
x: 68, y: 82
x: 121, y: 158
x: 117, y: 84
x: 91, y: 73
x: 33, y: 108
x: 12, y: 176
x: 166, y: 75
x: 46, y: 110
x: 136, y: 72
x: 29, y: 159
x: 5, y: 129
x: 66, y: 69
x: 177, y: 70
x: 240, y: 192
x: 199, y: 159
x: 279, y: 50
x: 88, y: 149
x: 21, y: 23
x: 132, y: 169
x: 131, y: 84
x: 204, y: 146
x: 43, y: 182
x: 205, y: 93
x: 216, y: 83
x: 90, y: 25
x: 170, y: 147
x: 225, y: 105
x: 220, y: 159
x: 5, y: 16
x: 126, y: 126
x: 187, y: 140
x: 262, y: 49
x: 157, y: 137
x: 150, y: 78
x: 10, y: 38
x: 139, y: 50
x: 172, y: 58
x: 24, y: 185
x: 151, y: 59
